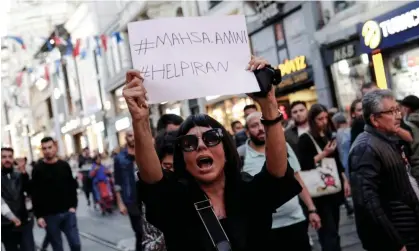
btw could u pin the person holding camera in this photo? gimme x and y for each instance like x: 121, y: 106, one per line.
x: 16, y: 228
x: 208, y: 203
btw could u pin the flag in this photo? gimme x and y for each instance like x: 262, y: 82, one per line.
x: 19, y: 40
x: 19, y: 79
x: 46, y: 73
x: 69, y: 47
x: 117, y: 36
x: 83, y: 54
x: 49, y: 45
x: 98, y: 50
x: 59, y: 41
x: 76, y: 50
x: 57, y: 66
x: 104, y: 40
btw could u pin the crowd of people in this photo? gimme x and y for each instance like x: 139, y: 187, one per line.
x: 196, y: 186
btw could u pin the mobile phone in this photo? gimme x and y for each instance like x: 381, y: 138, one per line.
x: 333, y: 137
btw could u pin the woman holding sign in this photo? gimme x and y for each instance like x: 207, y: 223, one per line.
x: 209, y: 204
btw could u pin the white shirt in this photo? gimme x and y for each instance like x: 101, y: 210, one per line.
x: 302, y: 130
x: 291, y: 212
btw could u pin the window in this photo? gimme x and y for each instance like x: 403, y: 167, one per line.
x: 348, y: 76
x: 212, y: 4
x: 404, y: 71
x: 121, y: 105
x: 263, y: 44
x: 50, y: 111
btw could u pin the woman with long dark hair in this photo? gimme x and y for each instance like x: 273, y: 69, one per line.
x: 320, y: 136
x: 208, y: 204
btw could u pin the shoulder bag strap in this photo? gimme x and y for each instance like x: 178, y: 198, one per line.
x: 212, y: 225
x: 319, y: 150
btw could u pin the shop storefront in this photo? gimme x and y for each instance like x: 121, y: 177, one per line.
x: 284, y: 40
x: 79, y: 133
x: 391, y: 41
x: 348, y: 69
x: 297, y: 84
x: 171, y: 108
x: 121, y: 125
x: 36, y: 144
x: 228, y: 109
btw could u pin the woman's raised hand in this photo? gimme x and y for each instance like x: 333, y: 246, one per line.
x: 136, y: 95
x: 268, y: 103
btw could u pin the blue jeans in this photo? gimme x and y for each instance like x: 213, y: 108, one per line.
x: 28, y: 242
x: 67, y: 223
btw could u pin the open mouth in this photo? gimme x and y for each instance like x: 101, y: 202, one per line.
x: 204, y: 162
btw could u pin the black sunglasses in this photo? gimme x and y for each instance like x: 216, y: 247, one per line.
x: 190, y: 142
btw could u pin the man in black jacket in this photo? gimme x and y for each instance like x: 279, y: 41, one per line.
x: 54, y: 197
x: 14, y: 185
x: 386, y: 196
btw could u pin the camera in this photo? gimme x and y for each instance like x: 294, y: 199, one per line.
x: 267, y: 77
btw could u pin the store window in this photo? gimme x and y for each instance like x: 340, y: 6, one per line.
x: 348, y: 76
x: 120, y: 104
x: 404, y: 71
x: 229, y: 110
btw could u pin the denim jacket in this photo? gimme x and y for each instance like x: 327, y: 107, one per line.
x: 124, y: 174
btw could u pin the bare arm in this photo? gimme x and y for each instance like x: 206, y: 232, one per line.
x: 319, y: 157
x: 305, y: 195
x: 145, y: 154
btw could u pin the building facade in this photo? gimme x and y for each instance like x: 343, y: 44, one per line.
x: 21, y: 73
x: 371, y: 41
x: 118, y: 61
x: 282, y: 33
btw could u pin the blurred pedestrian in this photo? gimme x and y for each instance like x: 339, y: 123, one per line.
x: 54, y: 197
x: 101, y: 185
x: 15, y: 217
x: 85, y: 163
x: 125, y: 187
x: 385, y: 194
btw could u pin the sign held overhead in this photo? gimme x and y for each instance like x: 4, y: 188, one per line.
x: 193, y: 57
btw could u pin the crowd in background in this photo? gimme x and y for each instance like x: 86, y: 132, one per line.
x: 314, y: 133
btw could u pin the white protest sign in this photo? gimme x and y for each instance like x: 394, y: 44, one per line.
x: 192, y: 57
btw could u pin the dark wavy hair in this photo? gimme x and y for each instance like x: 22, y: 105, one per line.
x: 165, y: 143
x: 167, y: 119
x: 232, y: 165
x: 353, y: 107
x: 314, y: 111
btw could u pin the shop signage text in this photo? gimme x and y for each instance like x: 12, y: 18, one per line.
x: 344, y: 52
x: 293, y: 71
x: 267, y: 9
x: 293, y: 65
x: 336, y: 53
x: 393, y: 28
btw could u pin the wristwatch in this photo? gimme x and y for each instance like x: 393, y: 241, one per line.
x: 314, y: 211
x: 267, y: 122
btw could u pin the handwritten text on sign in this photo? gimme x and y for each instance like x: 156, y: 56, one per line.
x: 183, y: 58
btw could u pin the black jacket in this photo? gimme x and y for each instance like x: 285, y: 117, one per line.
x: 13, y: 187
x: 54, y: 190
x: 386, y: 206
x: 291, y: 136
x: 357, y: 128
